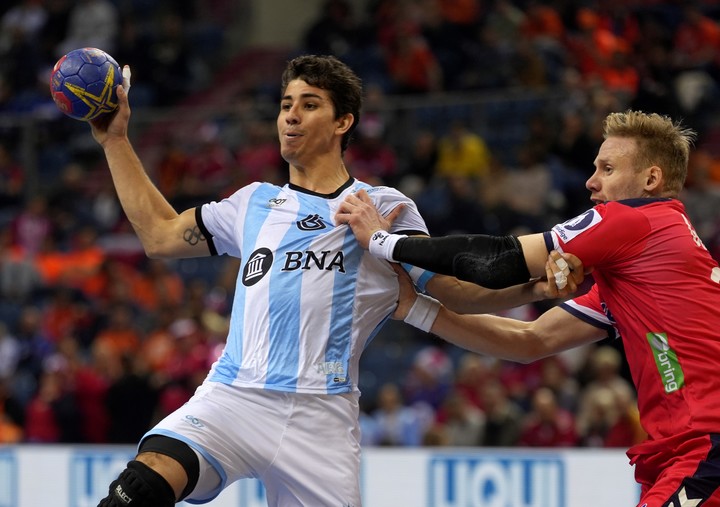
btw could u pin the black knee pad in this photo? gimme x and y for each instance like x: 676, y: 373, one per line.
x: 139, y: 486
x: 180, y: 452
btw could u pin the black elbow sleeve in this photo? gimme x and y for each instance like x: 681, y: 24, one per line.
x: 494, y: 262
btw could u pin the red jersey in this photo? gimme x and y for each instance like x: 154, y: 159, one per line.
x: 657, y: 285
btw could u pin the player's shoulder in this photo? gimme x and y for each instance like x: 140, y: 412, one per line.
x: 252, y: 188
x: 381, y: 193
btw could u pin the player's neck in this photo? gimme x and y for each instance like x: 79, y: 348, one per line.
x: 324, y: 178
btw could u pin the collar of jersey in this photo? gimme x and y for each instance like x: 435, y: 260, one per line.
x: 327, y: 196
x: 641, y: 201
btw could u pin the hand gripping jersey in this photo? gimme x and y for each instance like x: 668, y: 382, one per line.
x: 656, y: 283
x: 308, y: 297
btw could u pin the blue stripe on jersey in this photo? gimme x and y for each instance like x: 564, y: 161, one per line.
x: 419, y: 276
x: 341, y: 317
x: 283, y: 360
x: 226, y: 369
x: 549, y: 242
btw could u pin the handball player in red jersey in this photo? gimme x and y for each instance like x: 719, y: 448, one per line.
x: 655, y: 286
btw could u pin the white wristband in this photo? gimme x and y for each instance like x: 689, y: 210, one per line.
x: 382, y: 244
x: 423, y: 312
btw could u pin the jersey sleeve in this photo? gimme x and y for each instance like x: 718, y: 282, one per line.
x: 602, y: 236
x: 589, y: 308
x: 220, y: 220
x: 410, y: 221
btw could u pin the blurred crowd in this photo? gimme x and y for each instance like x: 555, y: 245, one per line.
x: 97, y: 342
x: 580, y: 399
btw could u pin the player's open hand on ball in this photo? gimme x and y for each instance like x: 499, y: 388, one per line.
x: 114, y: 126
x: 360, y: 213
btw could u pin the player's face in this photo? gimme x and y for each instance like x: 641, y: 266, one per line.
x: 306, y: 124
x: 616, y: 176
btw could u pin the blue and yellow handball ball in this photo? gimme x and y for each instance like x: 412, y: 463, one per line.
x: 83, y: 83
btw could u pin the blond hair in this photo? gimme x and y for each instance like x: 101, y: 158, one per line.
x: 660, y: 142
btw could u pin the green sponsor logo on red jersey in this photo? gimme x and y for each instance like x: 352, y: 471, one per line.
x: 666, y: 361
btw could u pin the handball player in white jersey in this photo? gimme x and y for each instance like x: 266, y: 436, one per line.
x: 281, y: 403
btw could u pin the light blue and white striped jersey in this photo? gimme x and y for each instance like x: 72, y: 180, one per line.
x: 308, y: 298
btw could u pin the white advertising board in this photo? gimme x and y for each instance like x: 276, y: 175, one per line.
x: 78, y: 476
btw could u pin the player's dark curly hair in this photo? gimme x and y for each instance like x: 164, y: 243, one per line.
x: 332, y: 75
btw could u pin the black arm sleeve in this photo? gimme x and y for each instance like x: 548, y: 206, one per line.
x: 494, y: 262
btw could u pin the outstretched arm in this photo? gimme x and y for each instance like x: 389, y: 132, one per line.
x: 493, y: 262
x: 467, y: 297
x: 162, y: 231
x: 554, y: 331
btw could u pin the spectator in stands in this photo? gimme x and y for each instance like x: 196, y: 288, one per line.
x: 471, y: 372
x: 604, y: 370
x: 12, y: 417
x: 120, y: 335
x: 156, y: 350
x: 91, y: 23
x: 25, y: 20
x: 554, y: 375
x: 463, y: 422
x: 11, y: 409
x: 371, y: 157
x: 696, y: 40
x: 69, y: 200
x: 627, y: 430
x: 64, y: 313
x: 257, y: 158
x: 12, y: 181
x: 18, y: 276
x: 600, y: 413
x: 702, y: 191
x: 207, y: 169
x: 87, y: 381
x: 571, y: 153
x: 51, y: 416
x: 170, y: 60
x: 504, y: 418
x: 463, y: 152
x: 20, y: 51
x: 421, y: 160
x: 411, y: 65
x: 619, y: 74
x: 529, y: 201
x: 132, y: 387
x: 399, y: 423
x: 429, y: 379
x: 32, y: 226
x: 157, y: 285
x: 334, y: 31
x: 547, y: 424
x: 186, y: 366
x: 35, y: 347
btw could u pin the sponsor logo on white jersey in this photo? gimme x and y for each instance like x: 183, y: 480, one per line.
x: 257, y: 266
x: 311, y: 223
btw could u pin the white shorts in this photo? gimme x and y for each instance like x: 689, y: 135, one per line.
x: 305, y: 448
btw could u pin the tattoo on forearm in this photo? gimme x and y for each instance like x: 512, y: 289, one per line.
x: 193, y: 236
